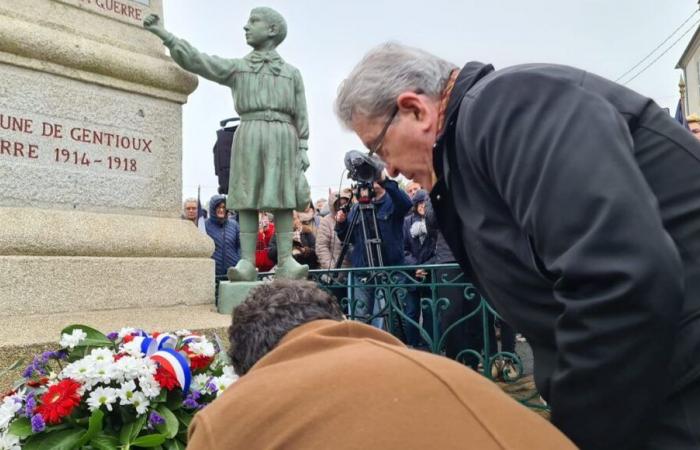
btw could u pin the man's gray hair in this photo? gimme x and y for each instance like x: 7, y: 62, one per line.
x: 385, y: 72
x: 189, y: 200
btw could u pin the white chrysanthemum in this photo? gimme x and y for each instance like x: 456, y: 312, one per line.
x: 102, y: 396
x: 225, y: 380
x: 133, y: 348
x: 149, y: 386
x: 125, y: 332
x: 182, y: 333
x: 81, y: 371
x: 126, y: 392
x: 9, y: 442
x: 104, y: 372
x: 140, y: 402
x: 73, y: 339
x: 9, y: 407
x: 202, y: 347
x: 199, y: 382
x: 101, y: 355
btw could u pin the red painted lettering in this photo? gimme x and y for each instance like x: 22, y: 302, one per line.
x: 5, y: 147
x: 19, y: 147
x: 33, y: 151
x: 18, y: 124
x: 75, y: 134
x: 54, y: 130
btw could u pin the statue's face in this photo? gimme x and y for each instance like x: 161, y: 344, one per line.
x: 257, y: 30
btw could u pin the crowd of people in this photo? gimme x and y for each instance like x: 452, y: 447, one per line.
x: 409, y: 235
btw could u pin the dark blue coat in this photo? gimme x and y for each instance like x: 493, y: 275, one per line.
x: 390, y: 211
x: 226, y: 236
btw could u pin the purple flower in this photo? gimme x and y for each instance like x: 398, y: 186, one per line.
x: 113, y: 336
x: 29, y: 371
x: 155, y: 419
x: 29, y: 406
x: 211, y: 387
x: 38, y: 423
x: 190, y: 401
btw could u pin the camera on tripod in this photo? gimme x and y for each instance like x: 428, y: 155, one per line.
x: 364, y: 170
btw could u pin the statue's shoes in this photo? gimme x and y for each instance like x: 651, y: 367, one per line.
x: 291, y: 270
x: 244, y: 271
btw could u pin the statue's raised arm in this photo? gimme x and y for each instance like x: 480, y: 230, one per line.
x: 189, y: 58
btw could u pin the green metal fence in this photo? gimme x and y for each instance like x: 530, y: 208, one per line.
x: 455, y: 320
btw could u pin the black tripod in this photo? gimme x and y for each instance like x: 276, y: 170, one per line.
x: 370, y: 233
x: 366, y: 216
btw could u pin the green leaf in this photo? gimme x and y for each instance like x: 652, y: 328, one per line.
x: 94, y: 427
x: 12, y: 367
x: 103, y: 441
x: 184, y: 417
x: 94, y: 338
x: 21, y: 428
x: 174, y: 400
x: 171, y: 425
x: 130, y: 430
x: 150, y: 440
x: 174, y: 444
x: 57, y: 440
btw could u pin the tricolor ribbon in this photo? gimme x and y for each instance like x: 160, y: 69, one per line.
x: 166, y: 340
x: 176, y: 364
x: 191, y: 338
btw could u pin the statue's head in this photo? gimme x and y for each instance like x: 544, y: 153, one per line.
x: 265, y: 25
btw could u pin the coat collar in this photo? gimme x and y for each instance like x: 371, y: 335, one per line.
x: 470, y: 74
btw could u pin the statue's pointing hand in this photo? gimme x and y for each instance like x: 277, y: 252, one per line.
x: 152, y: 24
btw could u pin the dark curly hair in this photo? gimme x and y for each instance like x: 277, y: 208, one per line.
x: 269, y: 312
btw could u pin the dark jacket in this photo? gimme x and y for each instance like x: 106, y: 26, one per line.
x: 574, y: 204
x: 226, y: 236
x: 434, y: 249
x: 390, y: 211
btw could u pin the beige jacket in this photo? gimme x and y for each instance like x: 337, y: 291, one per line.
x: 346, y: 385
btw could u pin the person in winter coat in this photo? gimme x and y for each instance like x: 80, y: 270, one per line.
x: 328, y: 245
x: 266, y: 230
x: 225, y: 233
x: 574, y: 205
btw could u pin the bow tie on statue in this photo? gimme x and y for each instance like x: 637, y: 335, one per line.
x: 256, y: 61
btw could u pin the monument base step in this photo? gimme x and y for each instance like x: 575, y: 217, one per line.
x: 22, y: 337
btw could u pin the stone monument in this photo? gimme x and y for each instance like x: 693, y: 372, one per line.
x: 268, y: 157
x: 90, y: 174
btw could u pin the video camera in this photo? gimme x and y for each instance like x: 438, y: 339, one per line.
x: 364, y: 170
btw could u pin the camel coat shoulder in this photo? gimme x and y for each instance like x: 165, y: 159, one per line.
x: 345, y: 385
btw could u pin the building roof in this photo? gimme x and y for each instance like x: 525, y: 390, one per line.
x: 688, y: 52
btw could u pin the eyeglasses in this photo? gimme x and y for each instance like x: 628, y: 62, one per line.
x: 376, y: 146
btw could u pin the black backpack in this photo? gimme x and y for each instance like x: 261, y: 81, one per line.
x: 222, y: 151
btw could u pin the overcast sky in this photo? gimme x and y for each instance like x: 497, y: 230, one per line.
x: 327, y: 38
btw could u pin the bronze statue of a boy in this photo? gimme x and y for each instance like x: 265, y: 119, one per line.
x: 268, y: 158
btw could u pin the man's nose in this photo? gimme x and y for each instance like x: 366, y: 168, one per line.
x: 246, y: 27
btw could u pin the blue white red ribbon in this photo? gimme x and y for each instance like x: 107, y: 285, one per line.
x: 166, y: 340
x: 176, y: 364
x: 191, y: 338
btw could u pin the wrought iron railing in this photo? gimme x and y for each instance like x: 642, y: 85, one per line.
x: 453, y: 320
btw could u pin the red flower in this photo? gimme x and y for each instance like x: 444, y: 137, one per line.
x: 155, y: 334
x: 128, y: 338
x: 40, y: 382
x: 166, y: 379
x: 59, y: 401
x: 199, y: 361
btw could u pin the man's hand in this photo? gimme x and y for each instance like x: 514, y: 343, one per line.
x: 152, y: 24
x: 420, y: 273
x: 340, y: 216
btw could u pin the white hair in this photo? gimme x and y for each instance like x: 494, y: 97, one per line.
x: 385, y: 72
x: 189, y: 200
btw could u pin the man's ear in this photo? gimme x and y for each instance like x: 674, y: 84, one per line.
x: 415, y: 106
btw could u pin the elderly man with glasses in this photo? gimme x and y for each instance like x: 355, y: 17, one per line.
x: 573, y: 203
